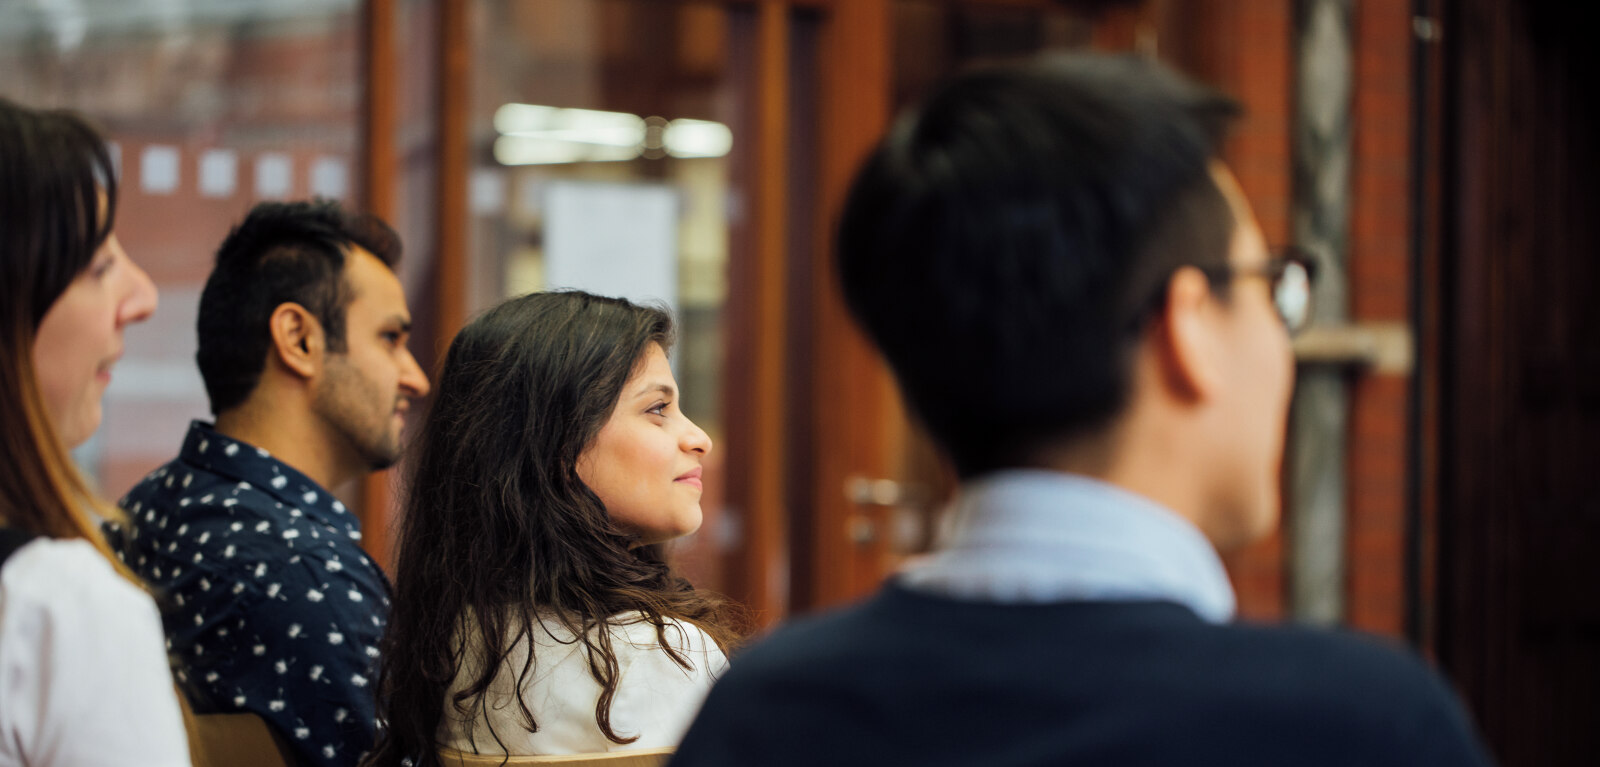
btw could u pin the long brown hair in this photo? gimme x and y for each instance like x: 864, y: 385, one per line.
x: 54, y: 168
x: 500, y: 533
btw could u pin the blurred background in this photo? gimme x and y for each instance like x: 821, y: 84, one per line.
x: 1443, y: 478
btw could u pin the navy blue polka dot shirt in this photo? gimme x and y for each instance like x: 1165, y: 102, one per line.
x: 271, y: 606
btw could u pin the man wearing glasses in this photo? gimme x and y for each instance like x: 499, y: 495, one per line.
x: 1077, y: 302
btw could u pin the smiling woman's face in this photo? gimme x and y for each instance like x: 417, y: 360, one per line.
x: 80, y: 338
x: 645, y: 463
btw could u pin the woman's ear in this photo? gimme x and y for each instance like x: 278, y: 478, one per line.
x: 297, y: 339
x: 1187, y: 337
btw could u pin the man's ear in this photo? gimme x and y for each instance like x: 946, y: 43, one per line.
x: 1187, y: 337
x: 297, y: 339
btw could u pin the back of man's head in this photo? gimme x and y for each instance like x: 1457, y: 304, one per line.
x: 1003, y: 243
x: 283, y: 252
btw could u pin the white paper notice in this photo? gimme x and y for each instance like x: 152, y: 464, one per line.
x: 612, y: 240
x: 486, y: 192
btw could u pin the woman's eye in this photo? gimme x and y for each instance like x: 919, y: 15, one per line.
x: 101, y: 267
x: 658, y: 409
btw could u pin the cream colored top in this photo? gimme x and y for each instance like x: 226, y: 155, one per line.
x: 656, y: 698
x: 84, y: 680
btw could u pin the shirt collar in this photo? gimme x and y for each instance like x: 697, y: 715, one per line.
x: 1031, y: 536
x: 234, y: 459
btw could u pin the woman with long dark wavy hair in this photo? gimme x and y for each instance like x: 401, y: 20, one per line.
x: 84, y: 678
x: 534, y: 612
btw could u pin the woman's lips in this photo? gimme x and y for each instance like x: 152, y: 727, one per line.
x: 103, y: 372
x: 692, y: 477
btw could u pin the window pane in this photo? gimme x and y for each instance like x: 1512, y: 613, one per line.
x: 212, y: 105
x: 603, y: 134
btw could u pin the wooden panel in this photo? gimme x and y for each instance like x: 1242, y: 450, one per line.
x: 378, y: 184
x: 380, y: 112
x: 455, y: 89
x: 1520, y: 408
x: 1422, y: 523
x: 236, y: 740
x: 644, y: 757
x: 757, y: 417
x: 761, y: 556
x: 856, y: 415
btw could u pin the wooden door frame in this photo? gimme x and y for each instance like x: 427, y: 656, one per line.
x: 808, y: 428
x: 378, y: 180
x: 380, y: 159
x: 856, y: 416
x: 1512, y: 427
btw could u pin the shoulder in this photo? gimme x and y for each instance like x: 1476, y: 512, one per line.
x: 1368, y: 672
x: 165, y: 477
x: 64, y: 594
x: 1330, y: 656
x: 643, y: 649
x: 1146, y: 649
x: 681, y: 635
x: 82, y: 644
x: 1350, y: 698
x: 230, y: 527
x: 68, y: 575
x: 840, y: 636
x: 1369, y: 698
x: 184, y: 505
x: 180, y: 489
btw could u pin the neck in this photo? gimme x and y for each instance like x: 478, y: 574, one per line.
x: 1141, y: 456
x: 290, y: 430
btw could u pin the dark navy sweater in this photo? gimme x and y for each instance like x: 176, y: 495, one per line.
x: 907, y: 678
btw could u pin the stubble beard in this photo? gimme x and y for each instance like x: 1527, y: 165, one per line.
x: 347, y: 404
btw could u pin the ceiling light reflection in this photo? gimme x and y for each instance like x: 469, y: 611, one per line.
x: 534, y: 134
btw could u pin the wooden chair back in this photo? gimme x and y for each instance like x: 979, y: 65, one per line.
x: 644, y: 757
x: 237, y: 740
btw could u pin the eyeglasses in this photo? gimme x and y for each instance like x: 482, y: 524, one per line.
x: 1289, y: 273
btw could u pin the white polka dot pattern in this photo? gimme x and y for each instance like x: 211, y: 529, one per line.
x: 273, y: 606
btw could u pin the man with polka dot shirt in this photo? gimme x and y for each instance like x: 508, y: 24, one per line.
x: 273, y: 606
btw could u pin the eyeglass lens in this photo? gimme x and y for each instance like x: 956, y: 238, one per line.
x: 1292, y: 294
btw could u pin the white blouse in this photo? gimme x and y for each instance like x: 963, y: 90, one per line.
x: 656, y: 699
x: 84, y: 679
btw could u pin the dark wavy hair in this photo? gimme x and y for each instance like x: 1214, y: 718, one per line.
x: 499, y: 530
x: 283, y: 252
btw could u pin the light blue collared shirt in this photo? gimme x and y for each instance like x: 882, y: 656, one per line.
x: 1033, y: 536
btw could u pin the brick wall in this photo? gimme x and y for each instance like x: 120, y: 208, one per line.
x: 1244, y: 47
x: 1380, y: 229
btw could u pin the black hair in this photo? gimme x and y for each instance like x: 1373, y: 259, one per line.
x: 500, y: 533
x: 283, y: 252
x: 1000, y: 243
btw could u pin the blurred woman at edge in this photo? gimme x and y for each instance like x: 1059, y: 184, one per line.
x: 84, y: 678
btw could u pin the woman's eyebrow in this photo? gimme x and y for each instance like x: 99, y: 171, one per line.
x: 652, y: 388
